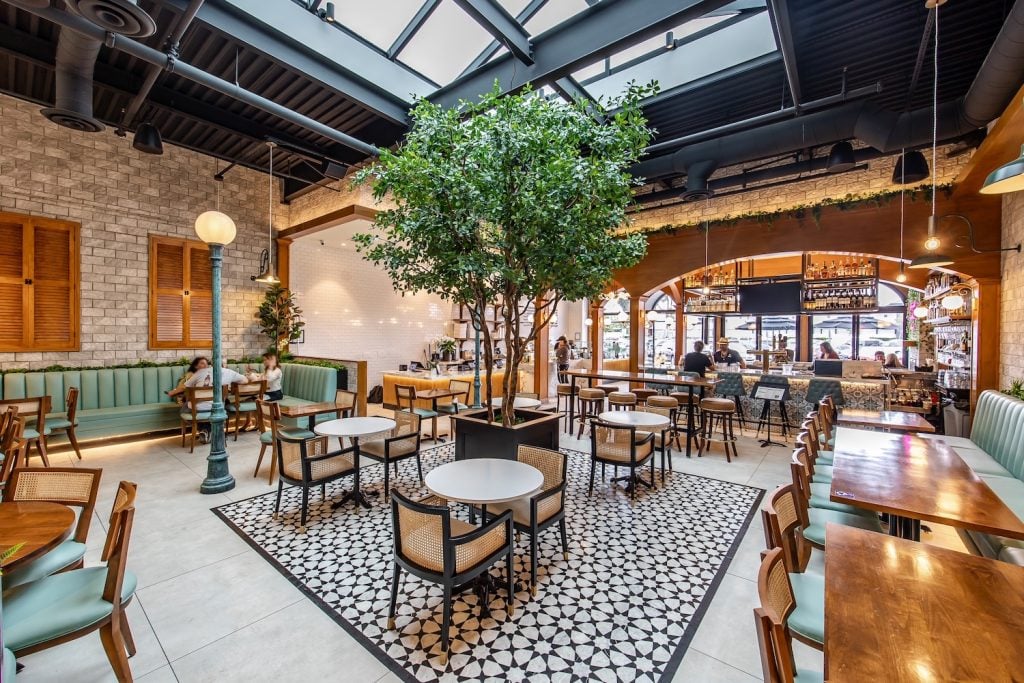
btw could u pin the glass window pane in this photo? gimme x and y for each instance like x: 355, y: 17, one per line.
x: 837, y: 330
x: 699, y: 328
x: 380, y: 23
x: 742, y: 333
x: 775, y: 328
x: 660, y: 335
x: 881, y: 333
x: 554, y: 12
x: 446, y: 44
x: 888, y: 296
x: 616, y: 329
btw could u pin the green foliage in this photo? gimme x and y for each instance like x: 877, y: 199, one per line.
x: 69, y: 368
x: 799, y: 211
x: 1016, y: 389
x: 8, y: 553
x: 279, y: 318
x: 508, y: 200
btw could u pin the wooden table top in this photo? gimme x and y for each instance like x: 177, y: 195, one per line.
x: 313, y: 409
x: 622, y: 376
x: 40, y: 526
x: 893, y: 420
x: 438, y: 393
x: 922, y: 479
x: 906, y: 612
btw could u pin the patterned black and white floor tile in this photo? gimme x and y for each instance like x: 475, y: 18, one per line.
x: 622, y: 608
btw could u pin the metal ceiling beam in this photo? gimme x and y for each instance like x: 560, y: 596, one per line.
x: 569, y: 88
x: 592, y: 34
x: 524, y: 16
x: 289, y: 35
x: 778, y: 12
x: 500, y: 24
x: 412, y: 27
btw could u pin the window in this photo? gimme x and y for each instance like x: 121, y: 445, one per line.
x: 742, y: 333
x: 837, y: 330
x: 699, y: 328
x: 39, y: 284
x: 661, y: 331
x: 180, y: 294
x: 616, y: 328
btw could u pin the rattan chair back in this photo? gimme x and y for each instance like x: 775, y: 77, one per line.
x: 421, y: 530
x: 76, y: 487
x: 782, y: 521
x: 405, y: 423
x: 554, y: 466
x: 777, y: 603
x: 346, y: 401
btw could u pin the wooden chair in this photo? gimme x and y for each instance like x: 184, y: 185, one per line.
x: 191, y: 416
x: 346, y: 402
x: 781, y: 530
x: 813, y: 520
x: 774, y: 637
x: 268, y: 422
x: 405, y: 394
x: 65, y: 422
x: 457, y: 403
x: 303, y: 461
x: 542, y: 510
x: 667, y: 407
x: 12, y: 428
x: 814, y: 446
x: 72, y: 486
x: 69, y: 605
x: 242, y: 401
x: 33, y: 411
x: 436, y: 547
x: 621, y: 446
x: 400, y: 443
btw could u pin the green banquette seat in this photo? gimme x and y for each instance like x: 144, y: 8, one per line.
x: 122, y: 401
x: 995, y: 451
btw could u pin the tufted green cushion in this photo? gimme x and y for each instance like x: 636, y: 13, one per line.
x: 243, y: 407
x: 808, y: 618
x: 981, y: 462
x: 57, y: 605
x: 294, y: 434
x: 818, y: 518
x: 825, y: 458
x: 1009, y: 490
x: 64, y: 555
x: 309, y: 382
x: 822, y: 474
x: 30, y: 433
x: 201, y: 416
x: 10, y: 666
x: 266, y: 437
x: 57, y: 422
x: 730, y: 384
x: 998, y: 429
x: 424, y: 413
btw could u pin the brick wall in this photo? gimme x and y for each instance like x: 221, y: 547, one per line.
x: 351, y: 310
x: 120, y: 196
x: 1011, y: 315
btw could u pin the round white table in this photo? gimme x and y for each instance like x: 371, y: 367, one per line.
x: 633, y: 418
x: 483, y: 481
x: 353, y: 428
x: 518, y: 402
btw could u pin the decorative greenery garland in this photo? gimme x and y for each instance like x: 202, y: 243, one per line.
x: 184, y: 360
x: 802, y: 211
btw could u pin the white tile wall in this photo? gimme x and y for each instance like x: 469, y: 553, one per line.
x: 352, y: 312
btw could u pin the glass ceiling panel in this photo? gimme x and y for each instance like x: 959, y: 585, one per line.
x: 377, y: 22
x: 554, y: 12
x: 745, y: 40
x: 446, y: 44
x: 514, y: 7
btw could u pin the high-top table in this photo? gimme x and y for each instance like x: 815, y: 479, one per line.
x: 38, y: 526
x: 909, y: 612
x: 353, y: 428
x: 886, y: 420
x: 914, y: 480
x: 672, y: 380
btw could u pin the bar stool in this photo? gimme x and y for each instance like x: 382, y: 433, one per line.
x: 730, y: 386
x: 591, y: 403
x: 608, y: 387
x: 669, y: 407
x: 643, y: 394
x: 564, y: 395
x: 622, y: 400
x: 819, y: 388
x: 718, y: 410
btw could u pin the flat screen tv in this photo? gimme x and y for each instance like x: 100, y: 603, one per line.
x: 770, y: 297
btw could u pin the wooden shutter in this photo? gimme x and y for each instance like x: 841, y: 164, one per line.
x: 39, y: 284
x: 180, y: 291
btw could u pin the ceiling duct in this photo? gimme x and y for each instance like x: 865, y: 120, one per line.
x: 992, y: 89
x: 76, y: 57
x: 697, y: 187
x: 123, y: 17
x: 30, y: 4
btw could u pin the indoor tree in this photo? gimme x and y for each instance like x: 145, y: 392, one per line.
x: 510, y: 201
x: 279, y: 317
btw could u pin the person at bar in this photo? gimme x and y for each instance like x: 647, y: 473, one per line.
x: 697, y: 361
x: 827, y: 352
x: 892, y: 361
x: 784, y: 348
x: 726, y: 356
x: 562, y: 358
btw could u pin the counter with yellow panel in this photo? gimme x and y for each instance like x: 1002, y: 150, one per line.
x: 423, y: 381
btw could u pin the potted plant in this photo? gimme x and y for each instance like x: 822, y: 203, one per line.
x: 446, y: 347
x: 513, y: 202
x: 280, y: 318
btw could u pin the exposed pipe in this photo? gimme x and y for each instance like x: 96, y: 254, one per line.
x: 187, y: 71
x: 997, y: 80
x: 181, y: 25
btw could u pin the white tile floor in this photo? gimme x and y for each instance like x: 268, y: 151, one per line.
x: 209, y: 608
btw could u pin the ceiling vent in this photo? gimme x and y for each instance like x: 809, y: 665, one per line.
x: 123, y: 17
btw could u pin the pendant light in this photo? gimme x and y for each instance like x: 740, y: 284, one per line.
x: 267, y: 275
x: 215, y: 227
x: 953, y: 301
x: 932, y: 243
x: 921, y: 312
x: 901, y: 277
x: 1007, y: 178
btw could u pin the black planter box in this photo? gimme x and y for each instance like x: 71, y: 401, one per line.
x: 475, y: 437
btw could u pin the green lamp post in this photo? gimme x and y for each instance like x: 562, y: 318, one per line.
x: 218, y: 231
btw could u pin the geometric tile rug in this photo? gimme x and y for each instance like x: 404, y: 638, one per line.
x: 624, y: 607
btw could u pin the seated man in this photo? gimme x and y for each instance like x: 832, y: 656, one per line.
x: 204, y: 378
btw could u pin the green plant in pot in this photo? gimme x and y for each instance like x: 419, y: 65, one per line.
x: 509, y: 201
x: 280, y: 318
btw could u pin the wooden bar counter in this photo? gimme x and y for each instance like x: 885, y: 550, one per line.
x: 423, y: 381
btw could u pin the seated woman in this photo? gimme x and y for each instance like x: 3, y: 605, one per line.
x: 197, y: 364
x: 892, y: 361
x: 273, y: 374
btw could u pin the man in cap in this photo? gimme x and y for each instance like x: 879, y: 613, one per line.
x: 726, y: 356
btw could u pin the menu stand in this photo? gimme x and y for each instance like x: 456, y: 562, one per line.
x: 768, y: 394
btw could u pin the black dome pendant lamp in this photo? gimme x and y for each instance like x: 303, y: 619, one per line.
x: 147, y: 139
